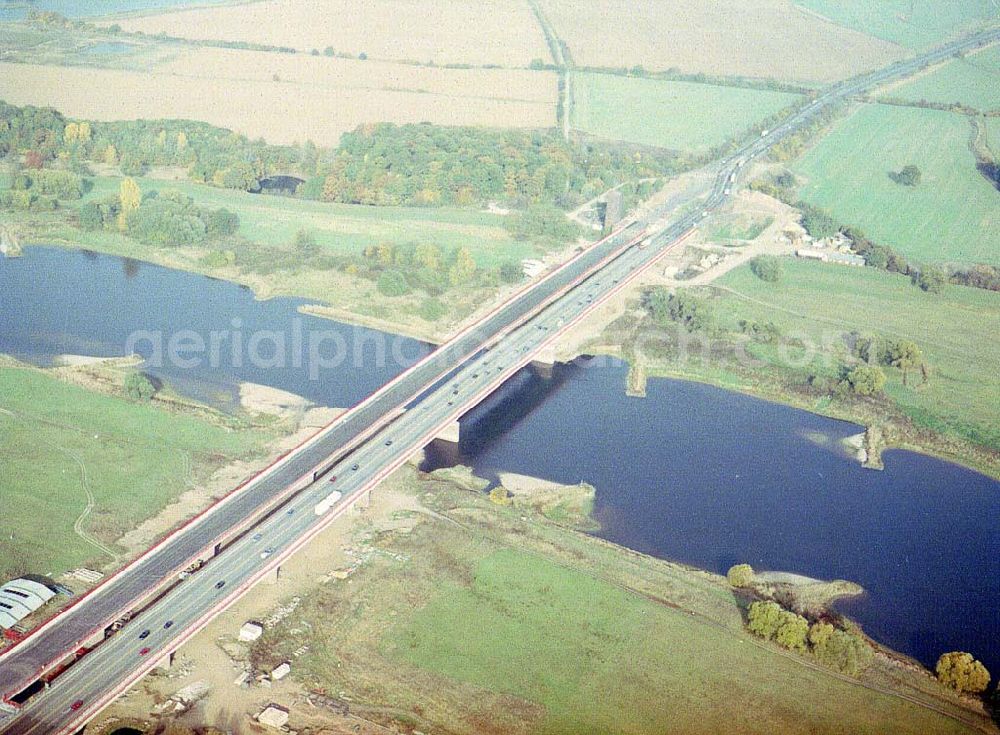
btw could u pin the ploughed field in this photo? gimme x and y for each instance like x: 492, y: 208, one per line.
x: 768, y: 38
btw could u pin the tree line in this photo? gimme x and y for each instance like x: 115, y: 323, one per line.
x: 383, y: 164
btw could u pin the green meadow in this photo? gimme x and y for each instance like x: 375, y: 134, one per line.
x: 677, y: 115
x: 952, y: 215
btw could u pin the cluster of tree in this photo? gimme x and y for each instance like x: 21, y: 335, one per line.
x: 957, y: 107
x: 38, y: 129
x: 399, y: 270
x: 878, y: 351
x: 906, y: 176
x: 55, y: 183
x: 864, y: 380
x: 138, y: 386
x: 839, y: 649
x: 27, y: 201
x: 210, y: 154
x: 673, y: 74
x: 169, y: 217
x: 542, y: 222
x: 683, y: 307
x: 765, y: 332
x: 962, y: 672
x: 428, y: 165
x: 795, y: 144
x: 767, y: 268
x: 979, y: 276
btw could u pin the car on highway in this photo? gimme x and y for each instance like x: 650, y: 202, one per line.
x: 220, y: 584
x: 267, y: 552
x: 256, y: 537
x: 388, y: 442
x: 355, y: 467
x: 333, y: 478
x: 289, y: 511
x: 144, y: 650
x: 168, y: 624
x: 76, y: 705
x: 144, y: 635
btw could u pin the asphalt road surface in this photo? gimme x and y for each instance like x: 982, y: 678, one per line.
x: 115, y: 664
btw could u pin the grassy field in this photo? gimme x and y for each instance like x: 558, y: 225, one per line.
x: 442, y: 31
x: 912, y: 23
x: 956, y: 331
x: 502, y: 622
x: 678, y: 115
x: 766, y: 38
x: 971, y: 81
x: 62, y: 443
x: 346, y: 228
x: 952, y: 215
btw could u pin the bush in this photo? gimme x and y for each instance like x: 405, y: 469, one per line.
x: 908, y: 176
x: 511, y: 272
x: 90, y: 216
x: 740, y: 575
x: 817, y: 222
x: 542, y: 222
x: 681, y: 307
x: 930, y: 279
x: 59, y: 184
x: 791, y: 631
x: 393, y: 283
x: 866, y: 380
x: 138, y: 387
x: 432, y: 310
x: 962, y: 672
x: 839, y: 649
x: 764, y: 618
x: 220, y: 222
x: 164, y: 221
x: 766, y: 268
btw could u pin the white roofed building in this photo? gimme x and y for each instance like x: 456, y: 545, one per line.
x: 21, y: 597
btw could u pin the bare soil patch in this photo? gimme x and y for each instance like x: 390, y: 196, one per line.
x: 442, y: 31
x: 285, y: 112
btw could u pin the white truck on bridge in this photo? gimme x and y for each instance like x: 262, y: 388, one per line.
x: 328, y: 502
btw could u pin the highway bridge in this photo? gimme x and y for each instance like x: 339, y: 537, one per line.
x: 247, y: 535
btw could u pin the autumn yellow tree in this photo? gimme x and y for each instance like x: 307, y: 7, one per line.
x: 129, y: 199
x: 464, y: 268
x: 71, y: 132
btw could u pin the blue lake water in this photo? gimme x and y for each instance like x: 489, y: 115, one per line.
x: 712, y: 478
x: 18, y: 9
x: 55, y: 301
x: 691, y: 473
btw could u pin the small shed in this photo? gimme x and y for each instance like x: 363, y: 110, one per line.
x: 251, y: 631
x: 274, y: 716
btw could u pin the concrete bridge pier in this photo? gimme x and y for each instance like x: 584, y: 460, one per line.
x: 451, y: 433
x: 544, y: 361
x: 165, y: 663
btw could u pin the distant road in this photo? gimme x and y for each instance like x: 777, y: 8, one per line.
x: 379, y: 436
